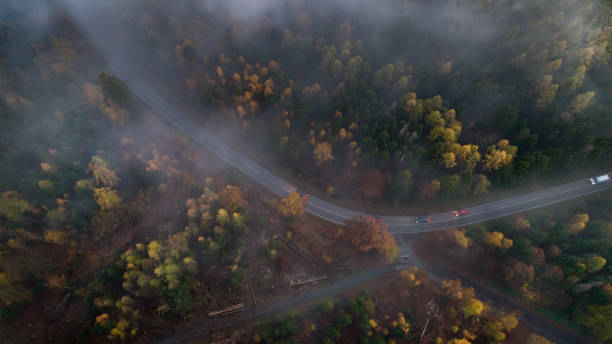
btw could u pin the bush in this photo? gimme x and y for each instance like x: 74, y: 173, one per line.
x: 476, y: 233
x: 181, y: 299
x: 325, y: 306
x: 522, y: 250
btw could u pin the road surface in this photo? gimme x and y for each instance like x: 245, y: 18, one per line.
x: 338, y: 214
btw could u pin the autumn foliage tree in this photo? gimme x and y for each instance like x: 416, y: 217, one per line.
x: 481, y: 185
x: 107, y: 198
x: 231, y: 197
x: 371, y: 183
x: 322, y: 153
x: 578, y: 222
x: 371, y: 234
x: 499, y: 155
x: 497, y: 240
x: 430, y: 189
x: 455, y: 237
x: 102, y: 174
x: 292, y: 205
x: 12, y: 207
x: 472, y: 307
x: 519, y: 273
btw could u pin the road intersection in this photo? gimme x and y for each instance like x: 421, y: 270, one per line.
x: 401, y: 226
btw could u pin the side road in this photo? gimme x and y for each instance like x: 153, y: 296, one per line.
x: 437, y: 270
x: 200, y: 325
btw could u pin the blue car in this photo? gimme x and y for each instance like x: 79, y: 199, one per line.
x: 422, y: 219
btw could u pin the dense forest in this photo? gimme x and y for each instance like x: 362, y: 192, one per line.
x: 557, y: 259
x: 115, y: 227
x: 385, y: 105
x: 82, y: 178
x: 426, y: 312
x: 112, y: 225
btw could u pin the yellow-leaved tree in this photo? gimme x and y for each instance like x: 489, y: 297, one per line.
x: 496, y: 239
x: 103, y: 175
x: 322, y: 153
x: 293, y: 204
x: 12, y: 207
x: 473, y: 307
x: 499, y: 155
x: 578, y: 222
x: 231, y: 197
x: 107, y: 198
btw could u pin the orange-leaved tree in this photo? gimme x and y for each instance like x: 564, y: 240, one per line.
x: 371, y: 234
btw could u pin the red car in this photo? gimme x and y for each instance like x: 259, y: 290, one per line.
x: 460, y: 212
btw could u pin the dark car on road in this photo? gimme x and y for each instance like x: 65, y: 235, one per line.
x: 423, y: 219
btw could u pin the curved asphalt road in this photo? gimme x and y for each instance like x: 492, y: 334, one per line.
x: 335, y: 213
x: 338, y: 214
x: 103, y: 36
